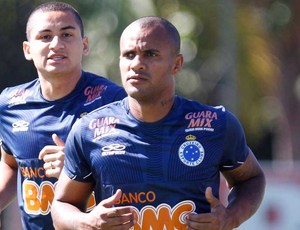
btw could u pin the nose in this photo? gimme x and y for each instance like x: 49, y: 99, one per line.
x: 137, y: 63
x: 56, y: 43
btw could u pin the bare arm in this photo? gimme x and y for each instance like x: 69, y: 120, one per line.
x: 247, y: 184
x: 8, y: 179
x: 68, y: 208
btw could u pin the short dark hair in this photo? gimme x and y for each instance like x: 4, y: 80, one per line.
x: 173, y: 33
x: 55, y: 6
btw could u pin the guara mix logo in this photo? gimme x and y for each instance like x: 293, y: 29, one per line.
x: 201, y: 121
x: 19, y: 96
x: 93, y: 93
x: 103, y: 126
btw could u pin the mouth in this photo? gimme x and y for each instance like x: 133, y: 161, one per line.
x: 137, y: 77
x: 56, y: 58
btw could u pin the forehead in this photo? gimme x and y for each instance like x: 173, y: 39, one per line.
x: 51, y: 20
x: 149, y: 37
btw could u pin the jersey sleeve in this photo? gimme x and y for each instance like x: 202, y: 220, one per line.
x: 2, y: 140
x: 236, y: 149
x: 76, y: 166
x: 3, y: 101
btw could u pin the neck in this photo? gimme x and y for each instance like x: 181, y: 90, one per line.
x: 152, y: 111
x: 56, y: 87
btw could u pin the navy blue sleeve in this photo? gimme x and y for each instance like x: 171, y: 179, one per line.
x: 76, y: 166
x: 236, y: 149
x: 3, y: 101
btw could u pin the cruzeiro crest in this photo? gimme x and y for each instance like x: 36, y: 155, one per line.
x: 191, y: 152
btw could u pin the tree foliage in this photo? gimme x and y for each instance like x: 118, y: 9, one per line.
x: 231, y: 56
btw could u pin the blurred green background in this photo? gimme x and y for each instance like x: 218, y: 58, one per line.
x: 243, y: 54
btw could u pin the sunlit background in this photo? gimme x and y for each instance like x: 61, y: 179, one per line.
x: 243, y: 54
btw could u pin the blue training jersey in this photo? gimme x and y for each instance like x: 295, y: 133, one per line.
x: 164, y: 167
x: 27, y: 122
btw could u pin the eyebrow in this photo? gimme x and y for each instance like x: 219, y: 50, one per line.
x: 152, y: 50
x: 143, y: 51
x: 62, y: 29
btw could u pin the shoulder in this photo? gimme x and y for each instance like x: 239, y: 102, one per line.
x: 101, y: 117
x: 210, y: 116
x: 98, y: 84
x: 19, y: 94
x: 196, y: 107
x: 21, y: 89
x: 112, y: 109
x: 116, y: 107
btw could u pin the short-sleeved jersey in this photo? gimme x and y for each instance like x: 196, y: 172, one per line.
x: 164, y: 167
x: 27, y: 122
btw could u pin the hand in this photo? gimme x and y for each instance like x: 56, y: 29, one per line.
x: 109, y: 217
x: 215, y: 220
x: 53, y: 156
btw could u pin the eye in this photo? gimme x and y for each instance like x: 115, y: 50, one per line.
x: 129, y: 55
x: 151, y: 53
x: 45, y: 37
x: 66, y: 35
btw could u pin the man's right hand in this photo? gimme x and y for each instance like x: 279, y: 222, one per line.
x: 109, y: 217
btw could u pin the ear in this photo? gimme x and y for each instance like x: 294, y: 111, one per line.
x: 85, y: 46
x: 26, y: 50
x: 178, y: 64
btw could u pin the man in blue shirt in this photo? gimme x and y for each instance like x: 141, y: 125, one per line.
x: 154, y: 159
x: 36, y: 117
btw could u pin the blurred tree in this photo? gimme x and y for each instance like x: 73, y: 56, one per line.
x: 14, y: 69
x: 236, y: 54
x: 284, y: 25
x: 257, y: 79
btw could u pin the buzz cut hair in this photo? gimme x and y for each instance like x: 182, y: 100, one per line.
x: 172, y: 32
x: 55, y: 6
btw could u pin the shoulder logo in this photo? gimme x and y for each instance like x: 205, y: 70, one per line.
x: 93, y: 93
x: 19, y: 96
x: 103, y: 126
x: 191, y: 152
x: 201, y: 120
